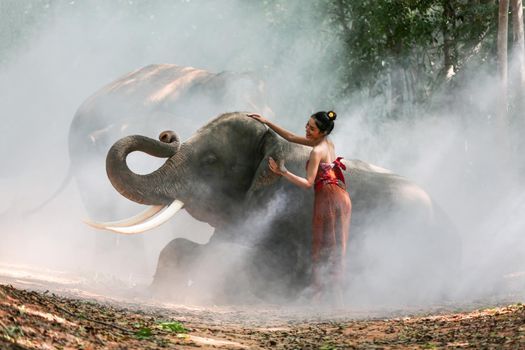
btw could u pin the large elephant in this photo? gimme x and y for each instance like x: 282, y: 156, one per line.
x: 151, y: 98
x: 154, y: 97
x: 262, y: 223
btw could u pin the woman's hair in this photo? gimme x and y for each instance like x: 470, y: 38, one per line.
x: 325, y: 121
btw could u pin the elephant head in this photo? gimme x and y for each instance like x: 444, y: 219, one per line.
x: 211, y: 174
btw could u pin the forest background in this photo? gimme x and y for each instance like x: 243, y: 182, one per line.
x: 412, y: 58
x: 431, y: 89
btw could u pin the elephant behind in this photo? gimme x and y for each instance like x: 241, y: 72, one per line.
x: 148, y: 99
x: 263, y: 223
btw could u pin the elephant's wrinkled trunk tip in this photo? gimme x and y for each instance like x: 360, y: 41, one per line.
x: 169, y: 136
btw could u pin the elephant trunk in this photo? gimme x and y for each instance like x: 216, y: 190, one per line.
x: 147, y: 189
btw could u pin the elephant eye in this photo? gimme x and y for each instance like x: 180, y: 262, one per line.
x: 209, y: 159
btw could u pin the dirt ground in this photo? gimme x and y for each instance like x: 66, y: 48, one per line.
x: 66, y: 317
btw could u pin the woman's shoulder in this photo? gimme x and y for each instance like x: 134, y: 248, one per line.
x: 321, y: 152
x: 318, y: 150
x: 324, y: 147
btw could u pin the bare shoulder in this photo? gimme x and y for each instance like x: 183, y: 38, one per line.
x: 316, y: 152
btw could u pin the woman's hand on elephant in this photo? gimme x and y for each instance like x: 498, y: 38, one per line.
x: 279, y: 169
x: 258, y: 117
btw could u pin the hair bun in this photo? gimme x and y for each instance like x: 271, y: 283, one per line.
x: 332, y: 115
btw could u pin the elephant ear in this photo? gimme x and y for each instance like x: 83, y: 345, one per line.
x: 271, y: 146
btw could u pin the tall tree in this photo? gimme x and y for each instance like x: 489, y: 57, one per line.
x: 503, y: 24
x: 449, y: 20
x: 518, y: 49
x: 518, y: 86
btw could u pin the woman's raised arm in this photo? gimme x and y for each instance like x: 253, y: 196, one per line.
x: 287, y: 135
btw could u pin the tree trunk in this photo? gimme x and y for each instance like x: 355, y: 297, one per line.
x: 448, y: 40
x: 518, y: 83
x: 397, y: 88
x: 503, y: 23
x: 504, y: 154
x: 518, y: 49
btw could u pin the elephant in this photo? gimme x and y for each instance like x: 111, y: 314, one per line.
x: 149, y: 98
x: 262, y: 223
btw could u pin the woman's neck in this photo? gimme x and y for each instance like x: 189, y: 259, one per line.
x: 319, y: 141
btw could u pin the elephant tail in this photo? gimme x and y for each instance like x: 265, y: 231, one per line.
x: 58, y: 191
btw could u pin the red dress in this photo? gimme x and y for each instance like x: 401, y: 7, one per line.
x: 331, y: 223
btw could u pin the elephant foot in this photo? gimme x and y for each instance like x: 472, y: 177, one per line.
x: 193, y: 273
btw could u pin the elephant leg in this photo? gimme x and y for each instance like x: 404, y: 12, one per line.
x: 175, y: 274
x: 226, y: 272
x: 275, y: 272
x: 203, y: 273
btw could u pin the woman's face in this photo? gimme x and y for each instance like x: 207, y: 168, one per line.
x: 312, y: 131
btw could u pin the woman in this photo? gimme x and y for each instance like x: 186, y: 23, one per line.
x: 332, y: 205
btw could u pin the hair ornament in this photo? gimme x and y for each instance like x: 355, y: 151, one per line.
x: 331, y: 115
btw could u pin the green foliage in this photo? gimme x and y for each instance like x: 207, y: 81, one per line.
x: 144, y: 333
x: 404, y: 49
x: 403, y: 52
x: 176, y: 327
x: 382, y: 35
x: 12, y: 332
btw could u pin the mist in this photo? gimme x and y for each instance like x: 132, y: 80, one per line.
x: 75, y: 48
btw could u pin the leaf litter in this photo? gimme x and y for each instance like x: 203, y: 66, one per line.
x: 36, y: 320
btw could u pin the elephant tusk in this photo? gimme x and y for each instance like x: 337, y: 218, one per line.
x: 129, y: 221
x: 150, y: 223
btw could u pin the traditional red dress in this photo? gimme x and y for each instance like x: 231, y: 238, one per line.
x: 331, y: 223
